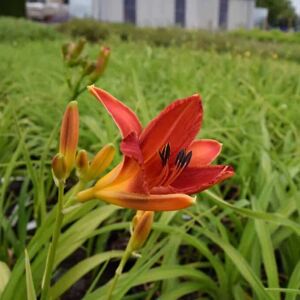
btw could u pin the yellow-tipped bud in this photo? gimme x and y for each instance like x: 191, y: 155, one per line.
x: 69, y: 134
x: 101, y: 161
x: 101, y: 63
x: 82, y: 163
x: 141, y: 227
x: 59, y: 167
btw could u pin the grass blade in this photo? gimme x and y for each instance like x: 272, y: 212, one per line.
x: 31, y: 295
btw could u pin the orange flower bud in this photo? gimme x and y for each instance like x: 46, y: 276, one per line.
x: 101, y: 161
x: 69, y: 133
x: 141, y: 227
x: 101, y: 63
x: 59, y: 167
x: 71, y: 52
x: 82, y: 163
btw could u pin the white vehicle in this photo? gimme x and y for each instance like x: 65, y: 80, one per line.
x: 44, y: 10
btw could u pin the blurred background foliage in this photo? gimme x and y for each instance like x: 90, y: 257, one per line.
x: 281, y: 13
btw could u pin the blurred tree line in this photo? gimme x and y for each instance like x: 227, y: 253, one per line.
x: 281, y: 13
x: 14, y: 8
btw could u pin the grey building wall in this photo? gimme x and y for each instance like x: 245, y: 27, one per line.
x: 108, y: 10
x: 202, y: 14
x: 240, y: 14
x: 155, y: 13
x: 158, y: 13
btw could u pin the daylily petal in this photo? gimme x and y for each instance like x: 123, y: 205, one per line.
x: 204, y: 152
x: 195, y: 180
x: 177, y: 125
x: 130, y: 147
x: 123, y: 116
x: 127, y: 176
x: 146, y: 202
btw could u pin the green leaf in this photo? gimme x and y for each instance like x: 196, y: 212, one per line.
x: 240, y: 263
x: 4, y: 275
x: 79, y: 232
x: 181, y: 290
x: 161, y: 273
x: 294, y: 283
x: 79, y: 270
x: 268, y: 255
x: 236, y: 258
x: 270, y: 217
x: 29, y: 282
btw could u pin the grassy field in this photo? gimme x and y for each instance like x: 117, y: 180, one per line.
x: 246, y: 247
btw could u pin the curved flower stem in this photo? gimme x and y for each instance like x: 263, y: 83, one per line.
x: 53, y: 245
x: 76, y: 91
x: 119, y: 270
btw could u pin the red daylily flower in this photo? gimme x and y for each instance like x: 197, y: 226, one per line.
x: 162, y: 164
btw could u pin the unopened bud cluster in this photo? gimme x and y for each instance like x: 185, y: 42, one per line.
x: 67, y: 158
x: 91, y: 69
x: 72, y: 52
x: 90, y: 170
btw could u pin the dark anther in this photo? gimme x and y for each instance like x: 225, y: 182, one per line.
x: 183, y: 159
x: 188, y: 158
x: 165, y: 154
x: 179, y: 157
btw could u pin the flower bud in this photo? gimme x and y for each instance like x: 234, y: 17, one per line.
x: 82, y: 163
x: 101, y: 161
x: 71, y: 52
x: 88, y: 68
x: 59, y: 167
x: 69, y: 133
x: 100, y: 64
x: 77, y: 48
x: 141, y: 227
